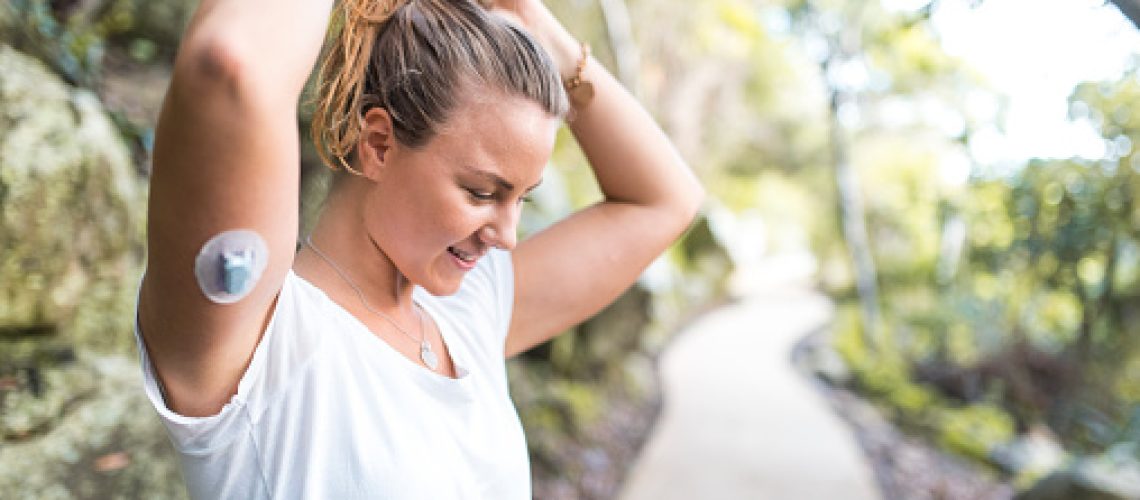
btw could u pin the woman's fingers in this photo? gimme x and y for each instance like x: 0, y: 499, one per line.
x: 511, y: 16
x: 536, y: 19
x: 512, y: 9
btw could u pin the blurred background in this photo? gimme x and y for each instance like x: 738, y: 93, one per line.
x: 917, y: 274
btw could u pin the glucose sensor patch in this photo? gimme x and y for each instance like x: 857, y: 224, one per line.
x: 229, y: 265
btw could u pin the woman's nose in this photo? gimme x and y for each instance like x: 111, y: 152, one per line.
x: 503, y: 231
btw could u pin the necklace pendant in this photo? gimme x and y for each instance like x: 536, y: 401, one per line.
x: 429, y: 358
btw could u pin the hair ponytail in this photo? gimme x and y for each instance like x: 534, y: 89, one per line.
x: 341, y: 80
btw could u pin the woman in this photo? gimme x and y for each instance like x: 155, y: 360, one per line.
x: 370, y: 364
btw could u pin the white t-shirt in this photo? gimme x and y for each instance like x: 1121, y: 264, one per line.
x: 328, y: 410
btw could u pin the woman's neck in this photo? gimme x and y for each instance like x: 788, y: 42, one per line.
x: 343, y: 243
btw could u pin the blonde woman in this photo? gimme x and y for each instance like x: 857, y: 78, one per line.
x: 370, y: 364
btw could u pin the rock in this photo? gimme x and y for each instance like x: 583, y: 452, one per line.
x: 816, y: 355
x: 1034, y: 454
x: 1100, y: 478
x: 829, y: 366
x: 71, y: 212
x: 109, y: 444
x: 74, y: 422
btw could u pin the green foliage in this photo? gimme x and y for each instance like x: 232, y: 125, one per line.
x: 909, y: 54
x: 73, y: 49
x: 903, y: 204
x: 74, y: 37
x: 1036, y: 304
x: 973, y: 431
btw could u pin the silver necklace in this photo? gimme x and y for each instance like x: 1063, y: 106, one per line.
x: 426, y: 354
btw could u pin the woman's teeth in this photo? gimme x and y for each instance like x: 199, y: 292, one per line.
x: 464, y: 256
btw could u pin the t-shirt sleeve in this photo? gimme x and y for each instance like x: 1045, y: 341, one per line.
x: 194, y: 435
x: 273, y: 361
x: 504, y: 279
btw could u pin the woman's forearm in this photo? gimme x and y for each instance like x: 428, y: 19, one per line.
x: 632, y: 158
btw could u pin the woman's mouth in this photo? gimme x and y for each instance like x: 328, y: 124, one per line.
x: 464, y: 259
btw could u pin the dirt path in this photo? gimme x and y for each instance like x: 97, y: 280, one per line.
x: 739, y: 422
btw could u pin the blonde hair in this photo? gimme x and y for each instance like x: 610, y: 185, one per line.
x: 413, y: 58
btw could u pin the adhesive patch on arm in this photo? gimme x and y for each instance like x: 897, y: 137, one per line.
x: 229, y: 265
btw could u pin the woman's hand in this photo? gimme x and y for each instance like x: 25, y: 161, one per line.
x: 537, y: 19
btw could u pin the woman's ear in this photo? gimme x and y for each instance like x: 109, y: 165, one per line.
x: 376, y: 142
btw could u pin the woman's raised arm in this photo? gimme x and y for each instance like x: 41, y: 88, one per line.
x: 226, y: 157
x: 573, y: 269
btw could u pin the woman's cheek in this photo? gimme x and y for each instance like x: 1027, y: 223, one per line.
x: 462, y: 218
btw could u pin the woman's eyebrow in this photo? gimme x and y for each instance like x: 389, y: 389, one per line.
x: 497, y: 179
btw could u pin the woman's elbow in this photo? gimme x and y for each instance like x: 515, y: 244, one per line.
x: 212, y: 61
x: 696, y: 201
x: 687, y: 201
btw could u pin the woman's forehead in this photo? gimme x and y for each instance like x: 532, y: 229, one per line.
x: 497, y: 115
x: 512, y: 138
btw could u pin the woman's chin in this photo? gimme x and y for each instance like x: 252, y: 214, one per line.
x: 443, y: 287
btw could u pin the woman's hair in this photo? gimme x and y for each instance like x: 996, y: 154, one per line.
x: 413, y: 58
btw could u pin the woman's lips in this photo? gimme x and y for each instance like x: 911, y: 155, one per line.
x: 464, y: 260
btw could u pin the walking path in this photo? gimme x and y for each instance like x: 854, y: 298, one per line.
x: 739, y: 422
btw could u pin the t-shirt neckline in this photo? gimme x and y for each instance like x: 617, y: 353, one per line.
x: 421, y: 297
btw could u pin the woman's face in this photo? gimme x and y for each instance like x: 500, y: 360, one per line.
x: 436, y: 210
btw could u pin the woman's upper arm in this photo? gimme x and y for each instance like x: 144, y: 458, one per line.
x: 226, y: 157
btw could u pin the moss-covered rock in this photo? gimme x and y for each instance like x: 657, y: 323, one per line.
x: 71, y: 212
x: 1092, y: 478
x: 106, y: 443
x: 74, y: 422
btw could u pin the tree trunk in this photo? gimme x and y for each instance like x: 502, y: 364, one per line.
x: 851, y: 213
x: 841, y: 46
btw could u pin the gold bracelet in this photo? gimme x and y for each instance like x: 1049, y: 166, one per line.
x: 580, y: 91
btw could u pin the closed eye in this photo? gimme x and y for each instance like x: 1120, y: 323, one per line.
x: 481, y: 195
